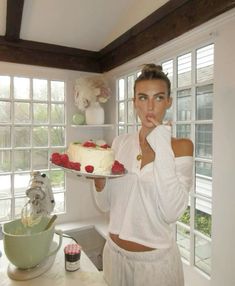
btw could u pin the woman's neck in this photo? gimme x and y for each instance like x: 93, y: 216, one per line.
x: 143, y: 134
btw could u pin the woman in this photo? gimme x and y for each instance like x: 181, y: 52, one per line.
x: 143, y: 204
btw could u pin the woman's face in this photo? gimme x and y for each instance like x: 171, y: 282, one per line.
x: 151, y: 101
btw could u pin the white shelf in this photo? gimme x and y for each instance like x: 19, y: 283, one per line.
x: 93, y: 126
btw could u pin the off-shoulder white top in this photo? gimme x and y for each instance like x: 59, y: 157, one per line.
x: 145, y: 202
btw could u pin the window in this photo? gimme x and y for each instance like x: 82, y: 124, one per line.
x: 191, y: 76
x: 32, y: 127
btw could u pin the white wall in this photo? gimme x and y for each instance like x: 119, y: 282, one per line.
x: 223, y: 247
x: 220, y: 31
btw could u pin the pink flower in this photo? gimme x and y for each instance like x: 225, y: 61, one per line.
x: 90, y: 89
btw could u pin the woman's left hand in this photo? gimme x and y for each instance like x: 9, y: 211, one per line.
x: 153, y: 121
x: 157, y: 123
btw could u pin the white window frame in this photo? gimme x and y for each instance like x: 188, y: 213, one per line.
x: 49, y: 148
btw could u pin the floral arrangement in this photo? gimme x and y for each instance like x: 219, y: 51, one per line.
x: 89, y: 90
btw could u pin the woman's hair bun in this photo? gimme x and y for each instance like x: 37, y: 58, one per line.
x: 149, y: 68
x: 153, y: 72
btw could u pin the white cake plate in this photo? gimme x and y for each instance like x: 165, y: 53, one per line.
x: 27, y: 274
x: 91, y: 175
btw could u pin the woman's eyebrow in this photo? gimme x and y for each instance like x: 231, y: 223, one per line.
x: 158, y: 93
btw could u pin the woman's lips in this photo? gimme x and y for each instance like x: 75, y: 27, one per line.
x: 149, y: 116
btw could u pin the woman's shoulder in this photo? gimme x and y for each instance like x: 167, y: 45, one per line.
x: 182, y: 147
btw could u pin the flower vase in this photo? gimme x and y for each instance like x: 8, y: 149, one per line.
x: 94, y: 114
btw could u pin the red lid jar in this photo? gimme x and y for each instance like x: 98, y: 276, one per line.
x: 72, y: 257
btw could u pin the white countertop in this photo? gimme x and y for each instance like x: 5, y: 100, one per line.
x: 87, y: 275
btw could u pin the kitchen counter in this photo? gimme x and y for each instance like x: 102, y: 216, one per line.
x: 87, y: 275
x: 100, y: 223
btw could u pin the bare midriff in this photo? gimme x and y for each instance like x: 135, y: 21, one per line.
x: 129, y: 245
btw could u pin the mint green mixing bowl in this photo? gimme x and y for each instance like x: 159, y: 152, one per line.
x: 26, y: 247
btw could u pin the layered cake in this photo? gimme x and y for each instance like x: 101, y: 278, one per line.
x: 89, y: 157
x: 92, y: 157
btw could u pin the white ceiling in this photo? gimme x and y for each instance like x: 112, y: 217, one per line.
x: 84, y: 24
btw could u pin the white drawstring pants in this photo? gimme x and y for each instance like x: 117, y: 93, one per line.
x: 160, y: 267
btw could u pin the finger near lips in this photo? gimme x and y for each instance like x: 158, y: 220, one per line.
x: 152, y: 120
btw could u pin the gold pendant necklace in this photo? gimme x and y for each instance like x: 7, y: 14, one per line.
x: 139, y: 157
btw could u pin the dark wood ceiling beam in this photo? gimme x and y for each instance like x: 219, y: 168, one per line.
x: 170, y: 21
x: 13, y: 20
x: 47, y: 55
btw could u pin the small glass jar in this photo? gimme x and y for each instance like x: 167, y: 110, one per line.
x: 72, y: 254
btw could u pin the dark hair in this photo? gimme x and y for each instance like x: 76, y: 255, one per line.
x: 152, y: 72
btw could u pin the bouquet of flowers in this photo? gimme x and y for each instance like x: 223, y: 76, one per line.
x: 90, y: 89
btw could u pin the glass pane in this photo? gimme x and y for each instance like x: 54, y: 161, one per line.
x: 121, y: 89
x: 169, y: 114
x: 5, y: 82
x: 204, y: 178
x: 203, y: 216
x: 5, y: 161
x: 22, y: 136
x: 22, y: 112
x: 203, y: 169
x: 205, y: 63
x: 21, y: 183
x: 40, y: 159
x: 21, y: 88
x: 131, y: 128
x: 40, y: 113
x: 57, y: 178
x: 57, y: 136
x: 5, y: 210
x: 131, y: 116
x: 5, y: 137
x: 57, y: 90
x: 5, y: 112
x: 204, y: 186
x: 183, y: 131
x: 19, y: 204
x: 40, y: 89
x: 59, y: 203
x: 121, y: 113
x: 204, y: 98
x: 184, y: 103
x: 185, y: 218
x: 21, y: 160
x: 40, y: 136
x: 184, y: 69
x: 203, y: 254
x: 57, y: 150
x: 57, y: 114
x: 183, y: 241
x: 121, y: 129
x: 204, y: 140
x: 5, y: 186
x: 167, y: 67
x: 130, y: 86
x: 139, y: 127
